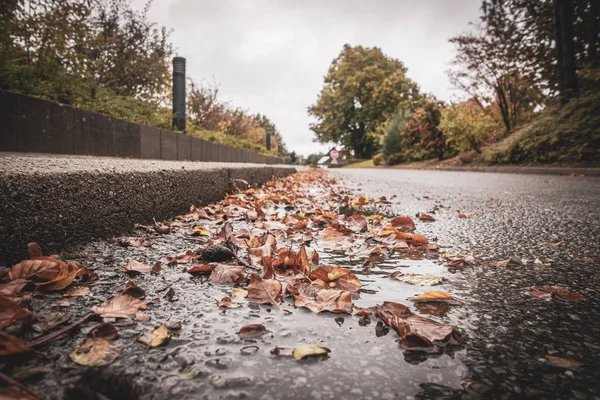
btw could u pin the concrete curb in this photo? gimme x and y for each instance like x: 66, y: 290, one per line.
x: 61, y: 202
x: 517, y: 170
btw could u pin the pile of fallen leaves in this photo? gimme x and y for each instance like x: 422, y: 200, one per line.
x: 265, y: 243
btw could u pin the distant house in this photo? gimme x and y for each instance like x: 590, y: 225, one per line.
x: 328, y: 161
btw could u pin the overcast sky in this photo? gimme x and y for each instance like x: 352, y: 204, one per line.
x: 270, y: 56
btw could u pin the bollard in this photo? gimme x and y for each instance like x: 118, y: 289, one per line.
x: 179, y: 94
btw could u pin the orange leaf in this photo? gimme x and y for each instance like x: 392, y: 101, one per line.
x: 336, y: 278
x: 435, y: 295
x: 10, y: 312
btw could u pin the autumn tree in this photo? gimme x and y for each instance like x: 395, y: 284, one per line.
x: 491, y: 72
x: 362, y: 88
x: 70, y: 50
x: 466, y: 126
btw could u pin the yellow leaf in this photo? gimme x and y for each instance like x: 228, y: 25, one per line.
x: 309, y: 350
x: 239, y: 292
x: 157, y: 337
x: 200, y: 230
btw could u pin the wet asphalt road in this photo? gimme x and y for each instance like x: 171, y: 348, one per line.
x: 509, y: 332
x: 506, y: 332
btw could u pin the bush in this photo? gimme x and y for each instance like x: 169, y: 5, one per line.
x: 395, y: 159
x: 422, y: 138
x: 379, y: 159
x: 394, y: 126
x: 467, y: 126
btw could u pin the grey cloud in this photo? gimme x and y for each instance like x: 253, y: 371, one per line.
x: 270, y: 56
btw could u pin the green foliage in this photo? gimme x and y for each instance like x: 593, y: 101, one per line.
x: 379, y: 159
x: 567, y: 133
x: 312, y: 159
x: 467, y: 127
x: 392, y: 142
x: 363, y: 87
x: 396, y: 158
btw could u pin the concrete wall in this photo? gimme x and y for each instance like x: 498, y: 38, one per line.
x: 63, y: 202
x: 32, y: 125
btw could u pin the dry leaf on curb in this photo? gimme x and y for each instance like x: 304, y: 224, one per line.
x: 418, y: 279
x: 227, y: 303
x: 133, y: 290
x: 104, y: 330
x: 136, y: 267
x: 416, y: 333
x: 157, y: 337
x: 358, y: 223
x: 316, y: 299
x: 426, y: 217
x: 77, y: 291
x: 563, y: 362
x: 262, y: 246
x: 338, y: 278
x: 10, y: 312
x: 12, y: 288
x: 200, y: 270
x: 265, y: 291
x: 96, y: 352
x: 239, y: 292
x: 226, y: 274
x: 252, y: 331
x: 10, y: 346
x: 141, y: 316
x: 436, y: 295
x: 309, y: 350
x: 200, y: 230
x: 556, y: 292
x: 403, y: 223
x: 123, y: 306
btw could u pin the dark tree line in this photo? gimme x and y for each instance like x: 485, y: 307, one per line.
x: 524, y: 52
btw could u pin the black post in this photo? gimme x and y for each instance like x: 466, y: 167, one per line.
x: 179, y: 94
x: 268, y: 138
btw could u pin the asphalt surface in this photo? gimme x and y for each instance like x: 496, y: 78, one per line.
x: 510, y: 333
x: 507, y: 333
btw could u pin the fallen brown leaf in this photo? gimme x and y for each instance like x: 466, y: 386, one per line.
x: 227, y: 303
x: 417, y: 333
x: 556, y: 292
x: 403, y: 223
x: 226, y: 274
x: 11, y: 346
x: 426, y: 217
x: 77, y: 291
x: 563, y: 362
x: 336, y: 278
x: 265, y: 291
x: 316, y: 299
x: 252, y: 331
x: 96, y: 352
x: 11, y: 312
x: 436, y: 295
x: 123, y: 306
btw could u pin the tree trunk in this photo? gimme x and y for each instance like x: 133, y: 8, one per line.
x: 503, y: 105
x: 565, y: 51
x: 594, y: 31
